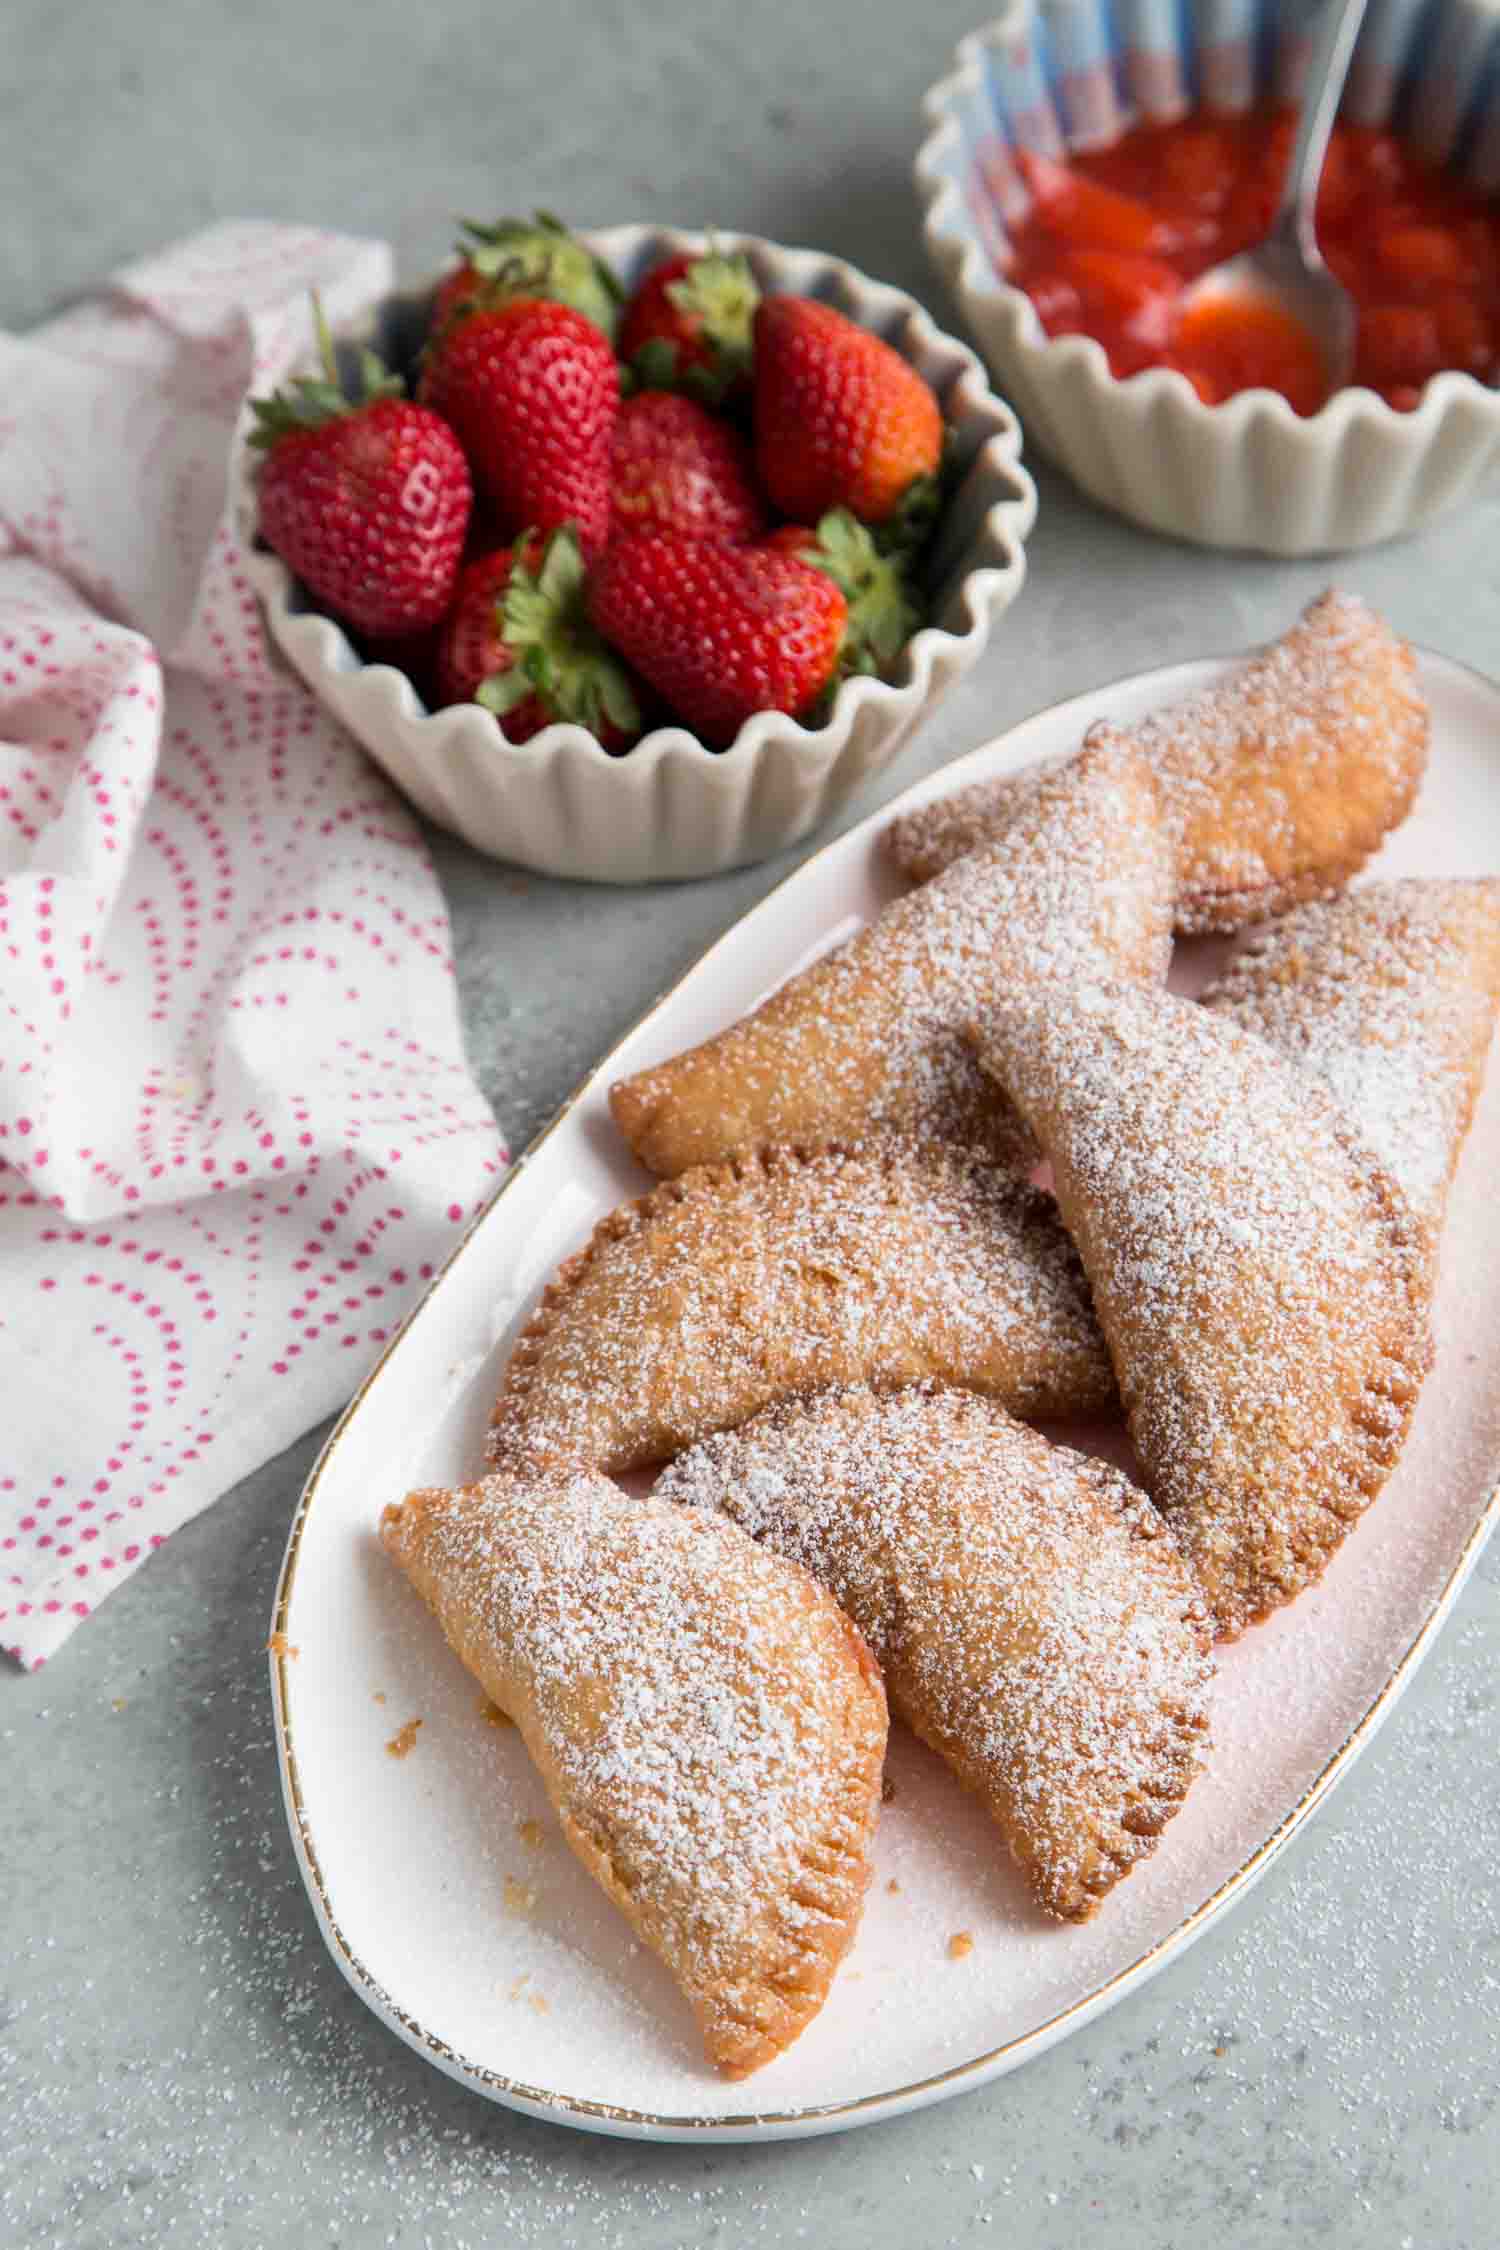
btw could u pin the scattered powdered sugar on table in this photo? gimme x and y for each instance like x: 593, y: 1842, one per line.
x: 1297, y: 2070
x: 181, y: 2062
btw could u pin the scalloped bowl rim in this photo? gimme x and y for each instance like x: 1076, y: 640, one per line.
x: 954, y: 243
x: 1006, y: 521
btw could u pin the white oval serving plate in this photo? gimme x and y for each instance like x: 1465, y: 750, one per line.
x: 498, y: 1959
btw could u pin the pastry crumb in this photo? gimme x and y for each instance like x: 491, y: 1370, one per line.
x: 380, y: 1695
x: 520, y: 1898
x: 960, y: 1945
x: 279, y: 1645
x: 403, y: 1740
x: 493, y: 1713
x: 537, y: 2000
x: 531, y: 1834
x: 893, y: 1887
x: 520, y: 1985
x: 119, y: 1704
x: 887, y: 1790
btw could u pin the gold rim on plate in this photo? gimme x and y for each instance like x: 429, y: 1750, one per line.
x: 567, y: 2109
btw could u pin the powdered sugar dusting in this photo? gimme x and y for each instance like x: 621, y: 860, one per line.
x: 1034, y: 1621
x: 708, y: 1728
x: 737, y: 1285
x: 1389, y: 994
x: 1283, y: 776
x: 1259, y: 1282
x: 870, y: 1035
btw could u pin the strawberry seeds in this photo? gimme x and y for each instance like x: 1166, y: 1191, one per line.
x: 723, y: 519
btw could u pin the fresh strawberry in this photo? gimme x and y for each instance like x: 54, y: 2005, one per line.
x: 688, y: 326
x: 528, y: 258
x: 721, y: 632
x: 533, y: 391
x: 883, y: 608
x: 679, y: 468
x: 471, y: 647
x: 841, y: 420
x: 518, y: 640
x: 367, y: 499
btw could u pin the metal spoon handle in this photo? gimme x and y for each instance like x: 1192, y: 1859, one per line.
x: 1327, y: 69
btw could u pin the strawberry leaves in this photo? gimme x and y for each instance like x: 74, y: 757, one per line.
x: 312, y: 400
x: 559, y: 657
x: 538, y: 257
x: 883, y: 608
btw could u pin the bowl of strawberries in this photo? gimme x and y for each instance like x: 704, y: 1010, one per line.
x: 630, y: 555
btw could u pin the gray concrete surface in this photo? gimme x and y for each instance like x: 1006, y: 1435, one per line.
x: 179, y: 2061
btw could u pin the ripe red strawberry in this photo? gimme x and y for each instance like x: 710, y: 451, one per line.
x: 366, y: 499
x: 688, y: 326
x: 518, y: 640
x: 841, y: 420
x: 679, y: 468
x: 528, y: 258
x: 884, y: 610
x: 533, y: 392
x: 721, y: 632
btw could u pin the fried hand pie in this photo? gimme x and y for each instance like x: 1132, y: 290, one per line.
x: 1258, y: 1275
x: 1282, y: 777
x: 869, y: 1036
x: 709, y: 1726
x: 745, y: 1282
x: 1032, y: 1616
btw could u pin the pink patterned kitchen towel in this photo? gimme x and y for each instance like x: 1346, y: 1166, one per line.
x: 237, y: 1129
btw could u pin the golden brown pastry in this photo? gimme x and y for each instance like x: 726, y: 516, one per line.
x: 708, y: 1725
x: 1390, y: 995
x: 777, y: 1273
x: 1033, y: 1619
x: 868, y: 1036
x: 1258, y: 1276
x: 1284, y: 776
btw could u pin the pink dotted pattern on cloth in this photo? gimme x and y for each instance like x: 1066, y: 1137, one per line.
x: 237, y: 1128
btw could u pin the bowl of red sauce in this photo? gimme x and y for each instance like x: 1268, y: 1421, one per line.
x: 1088, y: 159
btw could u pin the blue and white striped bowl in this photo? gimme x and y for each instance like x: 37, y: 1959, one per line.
x: 1053, y: 75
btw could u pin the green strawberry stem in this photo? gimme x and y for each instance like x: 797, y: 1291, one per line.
x: 326, y: 355
x: 540, y: 257
x: 883, y: 608
x: 718, y: 291
x: 559, y: 655
x: 312, y: 400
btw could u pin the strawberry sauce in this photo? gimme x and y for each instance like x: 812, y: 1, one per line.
x: 1113, y: 235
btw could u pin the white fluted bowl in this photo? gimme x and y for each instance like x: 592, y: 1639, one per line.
x: 1250, y: 473
x: 670, y: 807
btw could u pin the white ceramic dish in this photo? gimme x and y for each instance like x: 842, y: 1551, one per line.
x: 673, y: 809
x: 1250, y: 473
x: 558, y: 2012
